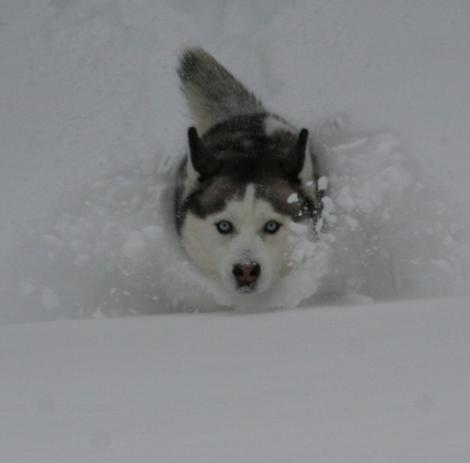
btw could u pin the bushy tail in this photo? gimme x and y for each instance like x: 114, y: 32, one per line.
x: 212, y: 93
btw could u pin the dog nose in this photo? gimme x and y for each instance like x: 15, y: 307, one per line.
x: 246, y: 274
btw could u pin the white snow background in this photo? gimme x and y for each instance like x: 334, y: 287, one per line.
x: 91, y: 125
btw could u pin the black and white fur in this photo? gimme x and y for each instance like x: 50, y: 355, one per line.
x: 248, y: 175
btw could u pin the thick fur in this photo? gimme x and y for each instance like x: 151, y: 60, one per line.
x: 245, y: 166
x: 212, y: 93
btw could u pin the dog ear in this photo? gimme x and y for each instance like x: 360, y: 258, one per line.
x: 202, y: 160
x: 293, y: 164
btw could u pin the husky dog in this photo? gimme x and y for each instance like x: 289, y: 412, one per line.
x: 248, y: 175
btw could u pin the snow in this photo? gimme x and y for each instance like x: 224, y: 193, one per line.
x: 49, y: 299
x: 384, y: 382
x: 92, y: 125
x: 272, y: 125
x: 293, y: 198
x: 322, y: 183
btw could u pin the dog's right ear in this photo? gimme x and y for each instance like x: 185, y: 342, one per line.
x: 294, y: 163
x: 201, y: 159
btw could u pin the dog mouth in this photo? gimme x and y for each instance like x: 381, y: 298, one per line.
x: 246, y: 288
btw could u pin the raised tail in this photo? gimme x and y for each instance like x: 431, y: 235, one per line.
x: 212, y: 93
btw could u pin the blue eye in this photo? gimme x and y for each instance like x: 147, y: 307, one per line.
x: 271, y: 227
x: 225, y: 227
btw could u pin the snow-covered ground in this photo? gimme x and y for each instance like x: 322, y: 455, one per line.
x: 91, y: 125
x: 384, y: 383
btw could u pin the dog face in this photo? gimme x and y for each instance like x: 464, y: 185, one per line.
x: 234, y: 209
x: 244, y: 244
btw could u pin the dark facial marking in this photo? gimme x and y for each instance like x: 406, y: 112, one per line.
x: 237, y: 152
x: 212, y: 196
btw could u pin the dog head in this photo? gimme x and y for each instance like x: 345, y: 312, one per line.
x: 238, y: 194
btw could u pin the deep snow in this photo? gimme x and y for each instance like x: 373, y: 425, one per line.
x: 91, y: 126
x: 385, y: 383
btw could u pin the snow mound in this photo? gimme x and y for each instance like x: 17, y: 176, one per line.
x: 112, y: 248
x: 394, y: 235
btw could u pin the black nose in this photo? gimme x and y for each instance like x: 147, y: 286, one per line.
x: 246, y: 274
